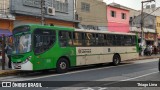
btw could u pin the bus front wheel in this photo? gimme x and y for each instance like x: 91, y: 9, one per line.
x: 62, y: 65
x: 116, y: 59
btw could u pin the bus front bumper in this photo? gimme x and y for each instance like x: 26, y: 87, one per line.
x: 25, y: 66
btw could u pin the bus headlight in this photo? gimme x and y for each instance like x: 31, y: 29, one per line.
x: 27, y: 59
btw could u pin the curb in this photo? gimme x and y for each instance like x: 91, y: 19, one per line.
x: 142, y: 58
x: 7, y: 72
x: 147, y: 58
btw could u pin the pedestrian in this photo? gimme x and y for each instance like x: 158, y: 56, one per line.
x: 148, y: 50
x: 8, y: 51
x: 154, y: 49
x: 140, y: 49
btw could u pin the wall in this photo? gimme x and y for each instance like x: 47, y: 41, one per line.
x: 158, y: 26
x: 117, y: 24
x: 149, y: 21
x: 4, y: 5
x: 20, y: 7
x: 118, y: 27
x: 6, y: 24
x: 20, y: 20
x: 96, y: 16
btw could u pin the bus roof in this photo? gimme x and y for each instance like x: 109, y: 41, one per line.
x: 72, y: 29
x: 47, y: 26
x: 95, y: 31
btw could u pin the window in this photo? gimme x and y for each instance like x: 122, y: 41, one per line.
x: 89, y: 39
x: 158, y: 24
x: 85, y: 7
x: 109, y: 40
x: 129, y: 40
x: 95, y: 39
x: 65, y: 38
x: 78, y: 39
x: 131, y: 18
x: 113, y: 14
x: 43, y: 40
x: 123, y: 16
x: 61, y: 6
x: 101, y: 40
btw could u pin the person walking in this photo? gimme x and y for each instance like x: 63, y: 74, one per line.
x: 155, y: 50
x: 8, y: 51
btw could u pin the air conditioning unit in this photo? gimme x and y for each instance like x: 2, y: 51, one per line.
x: 50, y: 11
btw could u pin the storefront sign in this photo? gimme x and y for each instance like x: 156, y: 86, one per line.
x: 32, y: 3
x: 150, y: 36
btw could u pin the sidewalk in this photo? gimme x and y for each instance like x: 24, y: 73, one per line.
x: 148, y: 57
x: 8, y: 71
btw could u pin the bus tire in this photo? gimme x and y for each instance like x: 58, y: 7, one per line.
x: 62, y: 65
x: 116, y: 59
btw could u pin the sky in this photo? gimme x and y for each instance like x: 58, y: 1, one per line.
x: 135, y: 4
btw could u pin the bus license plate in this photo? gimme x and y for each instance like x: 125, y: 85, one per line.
x: 17, y: 66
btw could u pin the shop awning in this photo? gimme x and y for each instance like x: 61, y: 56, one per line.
x: 5, y: 32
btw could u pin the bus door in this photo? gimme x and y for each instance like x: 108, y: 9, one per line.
x: 44, y: 41
x: 66, y: 45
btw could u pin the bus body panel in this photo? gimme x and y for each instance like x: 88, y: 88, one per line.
x: 76, y: 55
x: 95, y: 55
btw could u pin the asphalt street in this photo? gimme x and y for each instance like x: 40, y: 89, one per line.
x: 97, y: 78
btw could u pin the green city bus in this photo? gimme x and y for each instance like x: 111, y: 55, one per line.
x: 38, y: 47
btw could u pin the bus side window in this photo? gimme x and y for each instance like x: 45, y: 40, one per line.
x: 109, y: 39
x: 101, y: 39
x: 128, y: 40
x: 96, y: 37
x: 105, y: 40
x: 93, y: 39
x: 88, y: 37
x: 65, y: 38
x: 122, y: 40
x: 77, y: 39
x: 133, y: 40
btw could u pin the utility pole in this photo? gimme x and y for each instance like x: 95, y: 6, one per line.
x: 42, y: 11
x: 142, y: 24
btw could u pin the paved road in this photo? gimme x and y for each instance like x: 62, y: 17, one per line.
x: 143, y: 70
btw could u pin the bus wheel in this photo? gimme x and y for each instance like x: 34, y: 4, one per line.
x: 62, y: 65
x: 116, y: 59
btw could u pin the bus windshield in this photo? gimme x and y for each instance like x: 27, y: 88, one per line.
x: 22, y: 43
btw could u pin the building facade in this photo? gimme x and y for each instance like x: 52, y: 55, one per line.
x: 158, y: 29
x: 57, y: 12
x: 6, y: 19
x: 118, y: 18
x: 149, y: 28
x: 152, y: 9
x: 91, y: 14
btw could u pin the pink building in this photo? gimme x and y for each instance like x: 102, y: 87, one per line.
x: 118, y: 18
